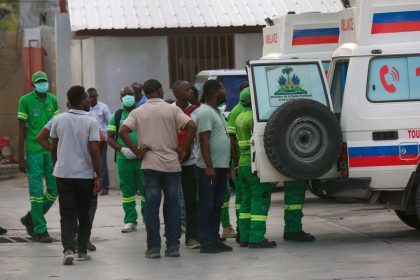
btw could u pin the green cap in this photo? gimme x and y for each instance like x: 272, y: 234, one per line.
x: 39, y: 76
x: 245, y: 96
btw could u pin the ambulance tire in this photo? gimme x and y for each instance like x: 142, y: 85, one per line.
x: 302, y: 139
x: 410, y: 219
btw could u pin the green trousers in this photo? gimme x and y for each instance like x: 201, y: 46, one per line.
x: 256, y: 199
x: 40, y: 166
x: 294, y: 197
x: 129, y: 177
x: 225, y: 219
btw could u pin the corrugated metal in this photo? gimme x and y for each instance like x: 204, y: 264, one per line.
x: 147, y: 14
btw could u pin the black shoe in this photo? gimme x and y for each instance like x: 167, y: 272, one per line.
x: 44, y: 238
x: 209, y: 249
x: 263, y: 244
x: 238, y: 236
x: 223, y: 247
x: 243, y: 244
x: 90, y: 246
x: 2, y: 231
x: 104, y: 192
x: 222, y: 239
x: 27, y: 222
x: 172, y: 251
x: 300, y: 236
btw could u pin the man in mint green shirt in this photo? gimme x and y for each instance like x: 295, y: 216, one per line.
x: 35, y: 110
x: 213, y: 157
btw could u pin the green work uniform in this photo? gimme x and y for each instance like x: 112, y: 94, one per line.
x: 294, y: 197
x: 232, y: 131
x: 36, y: 113
x: 225, y: 218
x: 256, y: 196
x: 129, y: 174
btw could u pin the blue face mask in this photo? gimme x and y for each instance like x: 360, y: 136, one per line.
x: 42, y: 87
x: 128, y: 101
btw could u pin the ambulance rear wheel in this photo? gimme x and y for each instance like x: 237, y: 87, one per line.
x: 302, y: 139
x: 410, y: 219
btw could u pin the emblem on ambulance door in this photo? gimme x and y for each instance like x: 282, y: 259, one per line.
x: 289, y: 84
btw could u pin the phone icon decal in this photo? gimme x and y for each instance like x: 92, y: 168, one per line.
x: 395, y: 75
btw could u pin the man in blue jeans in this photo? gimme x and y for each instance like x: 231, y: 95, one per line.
x: 157, y: 124
x: 212, y: 167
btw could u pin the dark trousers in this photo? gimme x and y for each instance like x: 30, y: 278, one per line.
x: 189, y: 189
x: 154, y: 183
x: 211, y: 195
x: 104, y: 166
x: 75, y: 197
x: 92, y: 212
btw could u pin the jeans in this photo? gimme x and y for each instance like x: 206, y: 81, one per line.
x: 210, y: 202
x: 154, y: 183
x: 75, y: 197
x: 92, y: 212
x: 104, y: 167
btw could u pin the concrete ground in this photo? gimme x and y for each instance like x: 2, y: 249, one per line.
x: 354, y: 241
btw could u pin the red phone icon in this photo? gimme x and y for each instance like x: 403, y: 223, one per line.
x: 388, y: 87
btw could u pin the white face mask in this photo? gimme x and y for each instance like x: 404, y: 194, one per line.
x: 222, y: 108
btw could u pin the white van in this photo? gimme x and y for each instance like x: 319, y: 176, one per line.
x: 231, y: 80
x: 375, y: 94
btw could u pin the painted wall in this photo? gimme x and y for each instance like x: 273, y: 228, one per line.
x: 247, y: 47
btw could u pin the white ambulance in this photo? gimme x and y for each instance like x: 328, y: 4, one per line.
x: 375, y: 94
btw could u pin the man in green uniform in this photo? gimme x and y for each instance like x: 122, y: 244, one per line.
x: 129, y: 173
x: 35, y: 110
x: 294, y: 197
x: 256, y: 196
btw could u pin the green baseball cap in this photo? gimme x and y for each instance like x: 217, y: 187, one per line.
x: 39, y: 75
x: 245, y: 96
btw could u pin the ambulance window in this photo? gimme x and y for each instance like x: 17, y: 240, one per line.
x: 394, y: 79
x: 275, y: 84
x: 338, y: 85
x: 326, y: 66
x: 232, y: 85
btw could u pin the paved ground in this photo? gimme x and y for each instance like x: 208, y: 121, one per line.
x: 354, y: 241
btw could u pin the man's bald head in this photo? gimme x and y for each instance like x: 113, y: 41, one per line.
x: 182, y: 90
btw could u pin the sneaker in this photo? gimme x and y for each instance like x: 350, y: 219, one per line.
x: 172, y: 251
x: 300, y: 236
x: 104, y: 192
x: 27, y: 222
x: 83, y: 256
x: 243, y: 244
x: 192, y: 244
x: 2, y: 231
x: 68, y: 257
x: 209, y: 249
x: 90, y: 246
x: 228, y: 232
x: 263, y: 244
x: 129, y: 228
x: 223, y: 247
x: 153, y: 253
x: 44, y: 238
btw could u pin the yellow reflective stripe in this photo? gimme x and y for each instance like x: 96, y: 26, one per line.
x: 225, y: 205
x: 244, y: 143
x: 293, y: 207
x: 258, y: 218
x: 231, y: 130
x: 142, y: 199
x: 56, y: 112
x: 237, y: 206
x: 129, y: 199
x: 36, y: 199
x: 50, y: 197
x: 244, y: 216
x: 22, y: 116
x: 111, y: 128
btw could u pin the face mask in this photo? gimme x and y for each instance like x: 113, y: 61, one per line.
x: 41, y: 87
x: 222, y: 107
x: 128, y: 101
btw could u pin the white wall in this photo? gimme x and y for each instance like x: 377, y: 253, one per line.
x: 247, y: 47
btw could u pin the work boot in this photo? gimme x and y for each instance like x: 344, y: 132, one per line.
x: 228, y: 232
x: 300, y: 236
x: 90, y: 246
x: 27, y: 222
x: 263, y: 244
x: 172, y: 251
x: 2, y: 231
x: 44, y: 238
x: 153, y: 253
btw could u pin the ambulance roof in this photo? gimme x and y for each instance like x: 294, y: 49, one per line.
x: 308, y: 35
x: 379, y: 22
